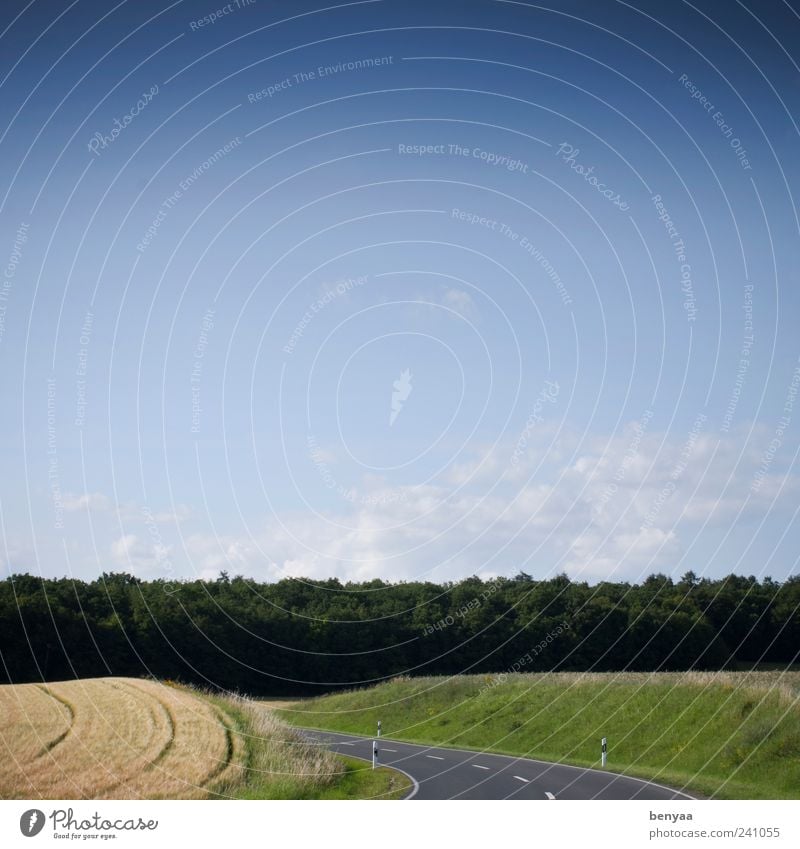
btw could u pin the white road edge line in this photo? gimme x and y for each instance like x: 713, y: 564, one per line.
x: 435, y: 757
x: 414, y: 782
x: 520, y: 778
x: 549, y: 795
x: 390, y: 750
x: 347, y: 744
x: 478, y: 766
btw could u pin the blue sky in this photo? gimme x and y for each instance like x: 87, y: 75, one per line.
x: 229, y: 231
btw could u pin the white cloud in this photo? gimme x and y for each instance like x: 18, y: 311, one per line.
x: 613, y: 510
x: 145, y: 558
x: 211, y: 555
x: 16, y: 559
x: 126, y: 547
x: 178, y: 513
x: 619, y: 507
x: 460, y: 301
x: 86, y: 501
x: 98, y: 502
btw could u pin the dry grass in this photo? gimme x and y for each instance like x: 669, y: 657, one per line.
x: 36, y: 720
x: 282, y: 763
x: 113, y: 738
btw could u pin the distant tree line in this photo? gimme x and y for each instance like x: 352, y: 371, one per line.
x: 299, y: 636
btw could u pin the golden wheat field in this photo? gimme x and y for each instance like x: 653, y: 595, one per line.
x: 113, y: 738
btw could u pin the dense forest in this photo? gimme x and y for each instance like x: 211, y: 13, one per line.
x: 297, y: 636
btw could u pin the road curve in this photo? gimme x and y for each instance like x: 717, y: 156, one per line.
x: 463, y: 774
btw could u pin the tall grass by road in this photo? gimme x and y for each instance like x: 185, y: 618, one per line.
x: 733, y: 735
x: 282, y: 764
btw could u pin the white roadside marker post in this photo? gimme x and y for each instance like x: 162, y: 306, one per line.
x: 379, y: 728
x: 604, y: 752
x: 374, y: 753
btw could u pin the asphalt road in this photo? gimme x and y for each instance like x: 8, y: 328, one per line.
x: 462, y: 774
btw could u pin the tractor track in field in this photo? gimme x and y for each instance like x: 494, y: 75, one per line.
x: 230, y: 751
x: 168, y: 715
x: 224, y: 721
x: 51, y: 744
x: 148, y: 699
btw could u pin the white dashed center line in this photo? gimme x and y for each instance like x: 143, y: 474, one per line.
x: 520, y: 778
x: 478, y: 766
x: 435, y: 757
x: 390, y: 750
x: 549, y: 795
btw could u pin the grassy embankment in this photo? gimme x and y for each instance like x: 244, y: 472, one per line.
x: 280, y: 764
x: 732, y: 735
x: 121, y: 738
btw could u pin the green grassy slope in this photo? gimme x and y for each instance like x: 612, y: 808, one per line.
x: 732, y: 735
